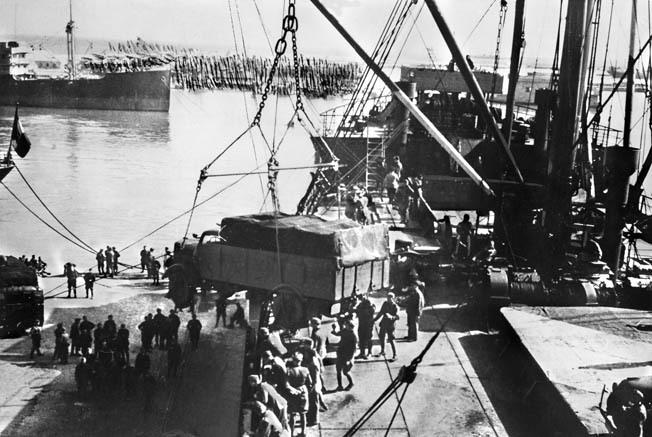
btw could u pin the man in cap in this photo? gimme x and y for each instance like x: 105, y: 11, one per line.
x: 269, y: 425
x: 388, y: 315
x: 365, y: 311
x: 275, y: 372
x: 414, y: 305
x: 74, y: 337
x: 345, y: 353
x: 267, y: 394
x: 89, y: 280
x: 318, y: 337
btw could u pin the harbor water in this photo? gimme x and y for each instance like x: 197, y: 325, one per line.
x: 128, y: 179
x: 114, y: 178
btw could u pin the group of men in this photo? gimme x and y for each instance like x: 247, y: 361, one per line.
x: 294, y: 386
x: 107, y: 261
x: 149, y: 261
x: 159, y: 330
x: 37, y: 264
x: 104, y: 365
x: 285, y: 389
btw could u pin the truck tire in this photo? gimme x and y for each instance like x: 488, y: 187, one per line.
x: 288, y: 308
x: 180, y: 290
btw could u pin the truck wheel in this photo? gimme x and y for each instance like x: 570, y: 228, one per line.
x: 179, y: 286
x: 288, y: 307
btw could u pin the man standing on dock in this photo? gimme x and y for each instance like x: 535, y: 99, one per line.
x: 414, y: 306
x: 100, y: 262
x: 345, y: 353
x: 71, y: 274
x: 89, y: 280
x: 365, y: 312
x: 109, y: 262
x: 194, y: 328
x: 116, y: 255
x: 388, y: 315
x: 144, y: 259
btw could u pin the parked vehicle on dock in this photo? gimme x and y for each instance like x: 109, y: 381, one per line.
x: 302, y: 264
x: 21, y: 298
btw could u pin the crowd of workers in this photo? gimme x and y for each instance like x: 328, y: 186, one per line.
x: 405, y: 194
x: 105, y: 365
x: 107, y: 266
x: 290, y: 386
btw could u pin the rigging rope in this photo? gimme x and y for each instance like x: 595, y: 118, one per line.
x: 244, y: 92
x: 194, y: 207
x: 478, y: 23
x: 65, y: 237
x: 406, y: 375
x: 88, y: 246
x: 554, y: 75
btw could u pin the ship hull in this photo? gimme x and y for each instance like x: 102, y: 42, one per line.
x: 129, y: 91
x: 4, y: 170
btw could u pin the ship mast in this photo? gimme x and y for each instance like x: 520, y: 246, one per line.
x: 71, y: 46
x: 560, y: 151
x: 518, y: 40
x: 621, y: 164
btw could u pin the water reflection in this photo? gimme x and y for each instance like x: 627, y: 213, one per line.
x: 150, y: 127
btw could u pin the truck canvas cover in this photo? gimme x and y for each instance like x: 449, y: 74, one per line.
x: 310, y: 236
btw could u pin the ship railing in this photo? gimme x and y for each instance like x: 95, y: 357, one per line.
x: 356, y: 122
x: 606, y: 136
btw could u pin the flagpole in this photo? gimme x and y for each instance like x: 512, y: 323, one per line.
x: 8, y: 159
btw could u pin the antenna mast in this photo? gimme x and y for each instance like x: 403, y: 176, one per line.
x: 71, y: 46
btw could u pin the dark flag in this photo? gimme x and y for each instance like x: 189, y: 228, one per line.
x: 19, y: 140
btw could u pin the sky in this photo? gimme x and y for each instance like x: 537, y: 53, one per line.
x: 213, y: 23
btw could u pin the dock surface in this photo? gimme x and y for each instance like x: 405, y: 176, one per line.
x: 448, y: 396
x: 580, y: 351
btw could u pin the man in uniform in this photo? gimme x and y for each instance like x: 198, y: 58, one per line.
x: 100, y: 262
x: 174, y: 323
x: 267, y: 394
x: 109, y: 261
x: 144, y: 259
x: 71, y: 275
x: 82, y: 376
x: 414, y: 306
x: 123, y: 343
x: 345, y: 353
x: 159, y: 323
x: 147, y: 332
x: 74, y: 337
x: 89, y: 280
x: 116, y: 255
x: 269, y: 425
x: 464, y: 231
x: 365, y: 312
x: 35, y: 336
x: 388, y: 315
x: 194, y: 327
x: 319, y: 338
x: 110, y: 328
x: 220, y: 310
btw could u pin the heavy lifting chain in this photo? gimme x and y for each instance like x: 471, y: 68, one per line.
x: 290, y: 25
x: 272, y: 174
